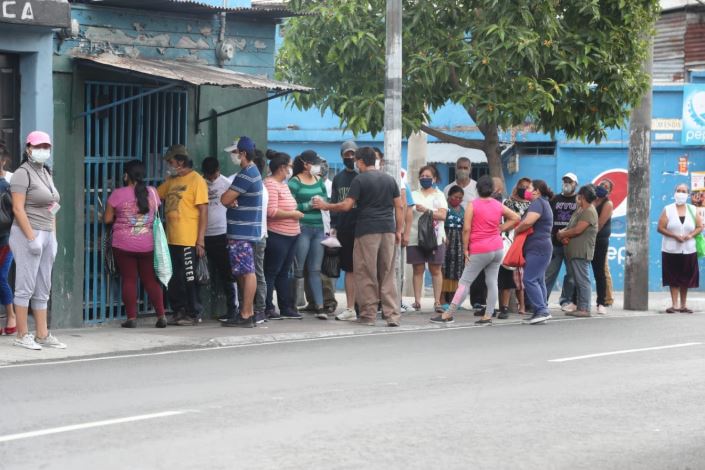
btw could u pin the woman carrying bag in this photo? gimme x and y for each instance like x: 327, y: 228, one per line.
x: 132, y: 211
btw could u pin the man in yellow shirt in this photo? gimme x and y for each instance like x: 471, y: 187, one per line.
x: 185, y: 196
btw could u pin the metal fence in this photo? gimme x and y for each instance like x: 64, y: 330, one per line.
x: 140, y: 129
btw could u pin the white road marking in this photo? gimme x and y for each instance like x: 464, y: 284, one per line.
x: 274, y: 342
x: 624, y: 351
x: 94, y: 424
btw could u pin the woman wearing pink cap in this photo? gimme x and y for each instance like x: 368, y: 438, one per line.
x: 35, y: 202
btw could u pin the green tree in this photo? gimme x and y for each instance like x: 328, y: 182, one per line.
x: 562, y: 65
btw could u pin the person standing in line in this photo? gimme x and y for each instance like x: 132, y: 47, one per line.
x: 454, y: 262
x: 563, y: 206
x: 343, y: 226
x: 185, y: 196
x: 35, y: 203
x: 679, y: 223
x: 216, y: 241
x: 379, y: 227
x: 306, y: 186
x: 604, y: 208
x: 131, y: 209
x: 483, y: 249
x: 283, y: 226
x: 519, y: 204
x: 579, y: 241
x: 244, y: 202
x: 6, y: 295
x: 538, y: 248
x: 463, y: 170
x: 428, y: 198
x: 261, y: 246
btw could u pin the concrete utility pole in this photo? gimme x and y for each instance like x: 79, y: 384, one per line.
x: 392, y: 105
x: 636, y: 269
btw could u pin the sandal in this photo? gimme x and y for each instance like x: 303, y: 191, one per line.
x: 686, y: 310
x: 672, y: 310
x: 438, y: 308
x: 416, y: 306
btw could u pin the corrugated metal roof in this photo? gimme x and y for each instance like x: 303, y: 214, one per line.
x: 669, y: 44
x: 194, y: 74
x: 695, y: 40
x: 194, y: 7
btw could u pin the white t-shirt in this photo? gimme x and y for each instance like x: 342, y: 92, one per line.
x: 325, y: 214
x: 433, y: 201
x: 217, y: 221
x: 8, y: 176
x: 470, y: 192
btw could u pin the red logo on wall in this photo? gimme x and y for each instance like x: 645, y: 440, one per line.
x: 620, y: 178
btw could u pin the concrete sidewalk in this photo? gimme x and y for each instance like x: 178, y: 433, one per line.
x: 110, y: 339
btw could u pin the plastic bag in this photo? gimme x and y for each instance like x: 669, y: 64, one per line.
x: 162, y: 258
x: 331, y: 262
x: 203, y: 277
x: 108, y: 258
x: 427, y: 233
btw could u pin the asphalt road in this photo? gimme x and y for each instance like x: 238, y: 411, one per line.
x: 463, y: 398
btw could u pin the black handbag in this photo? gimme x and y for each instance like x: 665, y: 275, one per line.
x: 6, y: 214
x: 108, y: 258
x: 427, y: 233
x: 331, y: 262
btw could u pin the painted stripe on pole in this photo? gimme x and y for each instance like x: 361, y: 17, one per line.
x: 624, y: 351
x: 94, y: 424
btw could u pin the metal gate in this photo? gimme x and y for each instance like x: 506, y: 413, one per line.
x: 138, y: 128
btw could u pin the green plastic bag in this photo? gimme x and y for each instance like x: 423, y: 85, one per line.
x: 699, y: 239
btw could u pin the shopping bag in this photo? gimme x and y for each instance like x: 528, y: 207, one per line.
x: 203, y: 277
x: 331, y: 262
x: 428, y: 241
x: 699, y: 239
x: 514, y: 258
x: 162, y: 259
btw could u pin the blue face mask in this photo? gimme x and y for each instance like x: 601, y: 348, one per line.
x: 426, y: 182
x: 600, y: 191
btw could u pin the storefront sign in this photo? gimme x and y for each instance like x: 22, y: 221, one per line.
x: 697, y: 181
x: 661, y: 124
x: 683, y: 165
x: 53, y: 13
x: 693, y: 115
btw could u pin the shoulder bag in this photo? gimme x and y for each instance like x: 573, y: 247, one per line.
x: 699, y: 239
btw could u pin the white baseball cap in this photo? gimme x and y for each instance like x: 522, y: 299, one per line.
x: 571, y: 176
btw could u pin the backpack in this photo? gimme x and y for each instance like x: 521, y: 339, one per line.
x: 7, y: 216
x: 427, y: 233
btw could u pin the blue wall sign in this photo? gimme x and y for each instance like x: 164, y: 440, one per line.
x: 693, y: 115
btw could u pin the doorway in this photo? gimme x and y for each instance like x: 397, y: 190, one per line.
x: 10, y: 105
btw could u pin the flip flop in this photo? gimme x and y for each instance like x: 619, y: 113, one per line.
x: 686, y: 310
x: 672, y: 310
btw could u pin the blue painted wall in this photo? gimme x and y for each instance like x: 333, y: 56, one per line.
x: 34, y: 46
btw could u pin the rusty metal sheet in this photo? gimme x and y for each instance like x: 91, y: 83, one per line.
x: 195, y: 7
x: 669, y: 45
x: 695, y: 40
x: 194, y: 74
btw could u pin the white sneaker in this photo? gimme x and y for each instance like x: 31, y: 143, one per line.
x: 571, y: 307
x: 404, y: 308
x: 347, y: 315
x: 27, y: 342
x: 601, y: 309
x: 50, y: 342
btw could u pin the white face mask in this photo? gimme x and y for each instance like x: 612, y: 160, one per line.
x: 289, y: 173
x: 235, y: 158
x: 316, y: 170
x: 40, y: 155
x: 680, y: 198
x: 377, y: 165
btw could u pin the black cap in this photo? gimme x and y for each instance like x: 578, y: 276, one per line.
x: 310, y: 156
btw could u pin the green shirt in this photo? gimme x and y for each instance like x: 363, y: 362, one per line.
x: 303, y: 194
x: 583, y: 246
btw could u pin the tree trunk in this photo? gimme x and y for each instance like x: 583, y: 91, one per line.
x: 492, y: 151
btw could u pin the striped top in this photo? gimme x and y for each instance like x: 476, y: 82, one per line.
x: 303, y: 194
x: 245, y: 220
x: 280, y: 198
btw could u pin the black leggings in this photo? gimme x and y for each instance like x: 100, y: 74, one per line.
x: 598, y: 268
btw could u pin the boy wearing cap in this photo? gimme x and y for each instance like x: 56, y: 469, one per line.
x: 244, y: 203
x: 185, y: 196
x: 563, y: 206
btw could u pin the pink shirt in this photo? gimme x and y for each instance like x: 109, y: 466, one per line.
x: 280, y: 198
x: 132, y: 231
x: 484, y: 232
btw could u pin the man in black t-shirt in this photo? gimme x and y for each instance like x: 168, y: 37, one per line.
x: 563, y: 205
x: 343, y: 225
x: 378, y: 229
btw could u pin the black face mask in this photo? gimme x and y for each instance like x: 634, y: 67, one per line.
x: 349, y: 163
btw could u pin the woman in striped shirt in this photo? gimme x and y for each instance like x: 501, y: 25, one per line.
x: 305, y: 186
x: 282, y: 232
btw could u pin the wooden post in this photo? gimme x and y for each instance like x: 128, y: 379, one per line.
x: 636, y: 268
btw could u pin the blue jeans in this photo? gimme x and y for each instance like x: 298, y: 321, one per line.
x: 310, y: 251
x: 278, y: 256
x: 579, y: 270
x: 534, y: 285
x: 554, y: 268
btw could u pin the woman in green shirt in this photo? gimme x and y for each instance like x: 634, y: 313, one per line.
x: 305, y: 185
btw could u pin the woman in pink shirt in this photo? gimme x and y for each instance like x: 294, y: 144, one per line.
x: 131, y: 210
x: 483, y: 248
x: 282, y: 232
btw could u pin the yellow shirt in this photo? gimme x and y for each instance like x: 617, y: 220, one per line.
x: 182, y: 195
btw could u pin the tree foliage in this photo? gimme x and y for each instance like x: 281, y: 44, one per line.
x: 563, y: 65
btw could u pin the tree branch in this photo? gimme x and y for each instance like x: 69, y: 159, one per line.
x: 451, y: 139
